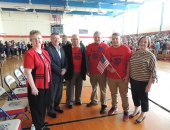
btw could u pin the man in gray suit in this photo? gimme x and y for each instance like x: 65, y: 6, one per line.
x: 58, y: 68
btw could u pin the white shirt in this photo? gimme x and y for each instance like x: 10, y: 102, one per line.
x: 58, y: 50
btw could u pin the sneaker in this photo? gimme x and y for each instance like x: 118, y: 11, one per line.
x: 112, y: 110
x: 91, y: 104
x: 103, y: 109
x: 125, y: 116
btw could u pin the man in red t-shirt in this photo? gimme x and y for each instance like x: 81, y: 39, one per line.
x: 94, y: 52
x: 76, y: 71
x: 118, y: 73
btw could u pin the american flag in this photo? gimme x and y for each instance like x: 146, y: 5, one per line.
x: 58, y: 17
x: 103, y: 63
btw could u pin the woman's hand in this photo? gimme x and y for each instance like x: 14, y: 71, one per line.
x: 34, y: 91
x: 148, y: 88
x: 126, y: 79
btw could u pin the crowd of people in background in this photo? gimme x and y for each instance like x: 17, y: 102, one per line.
x: 12, y: 48
x: 160, y: 43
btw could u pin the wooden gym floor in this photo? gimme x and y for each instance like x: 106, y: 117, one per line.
x: 84, y: 118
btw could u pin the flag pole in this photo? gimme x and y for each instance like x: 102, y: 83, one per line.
x: 112, y: 66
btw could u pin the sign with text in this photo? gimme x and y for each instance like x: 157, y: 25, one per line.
x: 83, y: 31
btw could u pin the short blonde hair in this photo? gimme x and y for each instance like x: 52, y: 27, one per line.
x: 33, y: 32
x: 116, y: 34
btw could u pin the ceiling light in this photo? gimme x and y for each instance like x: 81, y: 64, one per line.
x: 100, y: 11
x: 67, y: 9
x: 21, y: 8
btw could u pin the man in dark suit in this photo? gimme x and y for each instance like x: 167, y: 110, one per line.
x: 76, y: 71
x: 58, y: 68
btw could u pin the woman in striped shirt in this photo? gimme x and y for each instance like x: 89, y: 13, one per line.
x: 142, y: 75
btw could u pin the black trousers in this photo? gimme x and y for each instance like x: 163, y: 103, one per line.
x: 38, y: 106
x: 138, y: 94
x: 12, y: 52
x: 19, y: 51
x: 23, y: 51
x: 15, y: 51
x: 55, y: 95
x: 7, y: 52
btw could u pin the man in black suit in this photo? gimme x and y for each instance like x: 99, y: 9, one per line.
x: 58, y: 68
x: 76, y: 71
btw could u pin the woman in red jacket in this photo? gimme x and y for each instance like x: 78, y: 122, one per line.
x: 37, y: 68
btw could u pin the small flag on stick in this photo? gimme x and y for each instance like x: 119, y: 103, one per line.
x: 103, y: 63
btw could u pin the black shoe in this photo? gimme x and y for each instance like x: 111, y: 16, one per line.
x: 45, y: 123
x: 132, y: 116
x: 103, y: 109
x: 53, y: 115
x: 45, y: 128
x: 138, y: 122
x: 91, y: 104
x: 78, y: 103
x: 59, y: 110
x: 70, y: 106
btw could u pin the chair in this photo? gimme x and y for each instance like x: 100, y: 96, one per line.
x: 21, y: 68
x: 14, y: 124
x: 16, y: 92
x: 20, y: 77
x: 13, y: 107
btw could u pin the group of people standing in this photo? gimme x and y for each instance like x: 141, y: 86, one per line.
x: 46, y: 69
x: 12, y: 49
x: 160, y: 47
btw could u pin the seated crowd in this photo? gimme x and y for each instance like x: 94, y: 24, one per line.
x: 160, y: 43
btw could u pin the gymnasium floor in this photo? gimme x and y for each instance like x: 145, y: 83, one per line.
x: 83, y: 118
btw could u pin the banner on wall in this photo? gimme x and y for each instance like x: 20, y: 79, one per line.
x: 83, y: 31
x: 57, y: 29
